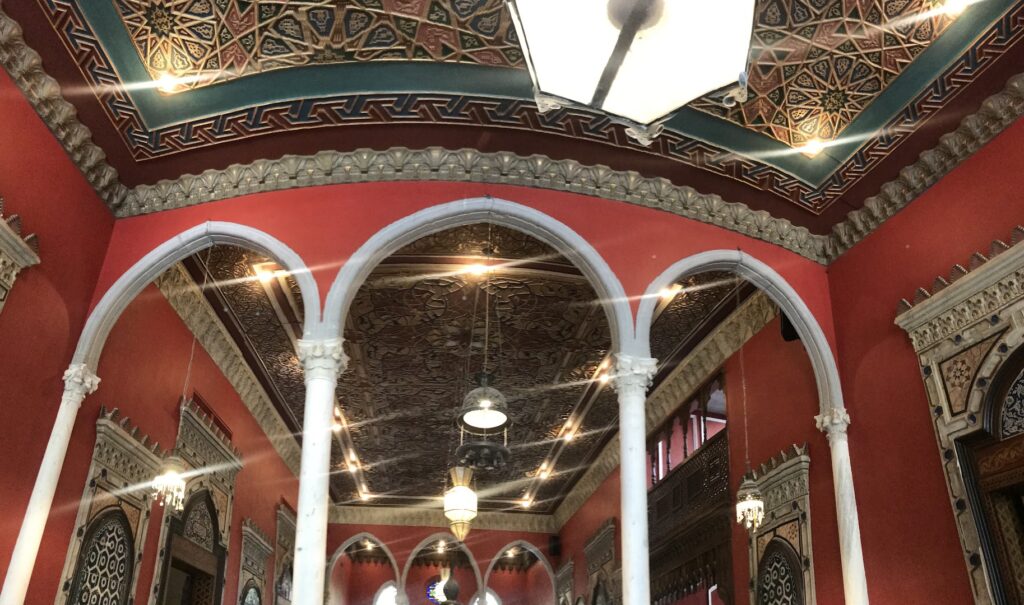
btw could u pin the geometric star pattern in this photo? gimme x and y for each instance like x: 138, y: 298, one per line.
x: 817, y: 64
x: 207, y: 41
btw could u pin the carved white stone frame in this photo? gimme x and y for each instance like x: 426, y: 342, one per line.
x: 784, y: 483
x: 564, y: 582
x: 16, y: 252
x: 212, y: 464
x: 284, y: 547
x: 256, y: 549
x: 123, y: 464
x: 978, y: 316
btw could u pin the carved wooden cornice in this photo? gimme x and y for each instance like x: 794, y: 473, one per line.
x: 16, y: 252
x: 970, y: 295
x: 996, y: 114
x: 25, y: 67
x: 693, y: 371
x: 399, y: 164
x: 189, y: 303
x: 428, y: 517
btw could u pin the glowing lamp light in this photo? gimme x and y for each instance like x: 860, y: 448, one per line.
x: 169, y: 485
x: 812, y: 147
x: 526, y: 502
x: 477, y: 269
x: 953, y: 8
x: 460, y: 502
x: 484, y: 410
x: 609, y: 55
x: 749, y: 505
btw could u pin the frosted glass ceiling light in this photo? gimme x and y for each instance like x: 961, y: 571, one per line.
x: 460, y: 503
x: 638, y: 60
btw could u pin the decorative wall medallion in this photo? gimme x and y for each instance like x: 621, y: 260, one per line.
x: 199, y: 527
x: 103, y: 557
x: 780, y: 555
x: 16, y: 252
x: 958, y: 373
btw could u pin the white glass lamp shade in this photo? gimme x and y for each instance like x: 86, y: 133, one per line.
x: 169, y: 485
x: 460, y: 502
x: 686, y: 49
x: 484, y: 411
x: 749, y: 505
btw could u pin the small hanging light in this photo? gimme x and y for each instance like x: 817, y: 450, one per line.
x: 484, y: 409
x: 169, y: 485
x: 749, y: 501
x: 460, y: 502
x: 749, y: 505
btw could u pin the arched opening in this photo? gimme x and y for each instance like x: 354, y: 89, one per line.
x: 194, y: 555
x: 104, y: 569
x: 520, y: 575
x: 728, y: 402
x: 362, y: 571
x: 436, y: 561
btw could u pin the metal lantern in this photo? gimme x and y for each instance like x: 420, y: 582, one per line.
x: 169, y: 485
x: 460, y: 502
x: 749, y: 505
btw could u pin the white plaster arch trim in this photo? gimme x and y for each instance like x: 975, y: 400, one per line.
x: 383, y: 587
x: 826, y: 374
x: 522, y: 218
x: 340, y: 552
x: 142, y: 273
x: 526, y: 546
x: 450, y: 539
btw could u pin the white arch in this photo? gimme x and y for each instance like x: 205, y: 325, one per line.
x: 450, y: 539
x: 826, y: 374
x: 833, y: 418
x: 149, y: 267
x: 340, y: 552
x: 477, y: 210
x: 384, y: 587
x: 525, y: 546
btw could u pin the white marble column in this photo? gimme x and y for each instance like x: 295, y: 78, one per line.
x: 855, y: 586
x: 79, y: 381
x: 322, y: 360
x: 632, y: 378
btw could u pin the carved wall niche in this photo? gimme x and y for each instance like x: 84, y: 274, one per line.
x: 284, y: 553
x: 564, y: 584
x: 599, y: 552
x: 780, y: 554
x: 203, y: 528
x: 16, y: 252
x: 252, y: 577
x: 103, y: 557
x: 967, y: 333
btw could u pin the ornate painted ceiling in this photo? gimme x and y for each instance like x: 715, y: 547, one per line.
x: 415, y: 341
x: 878, y: 80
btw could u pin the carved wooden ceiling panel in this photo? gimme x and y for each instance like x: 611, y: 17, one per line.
x: 415, y: 338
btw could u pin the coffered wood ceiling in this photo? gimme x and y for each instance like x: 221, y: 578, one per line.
x: 415, y: 341
x: 882, y: 79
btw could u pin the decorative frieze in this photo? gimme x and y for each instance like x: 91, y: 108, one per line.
x: 256, y: 548
x: 117, y: 487
x: 16, y: 252
x: 284, y: 555
x: 425, y: 517
x: 190, y: 304
x: 784, y: 482
x: 964, y: 329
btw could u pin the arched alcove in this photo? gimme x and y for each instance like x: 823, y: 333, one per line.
x: 426, y: 562
x: 359, y: 570
x: 520, y: 574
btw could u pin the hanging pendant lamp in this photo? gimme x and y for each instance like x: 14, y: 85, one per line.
x: 169, y: 485
x: 749, y: 501
x: 460, y: 502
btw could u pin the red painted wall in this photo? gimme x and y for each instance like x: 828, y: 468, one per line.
x: 45, y: 311
x: 142, y: 374
x: 603, y: 505
x: 901, y: 492
x: 782, y: 400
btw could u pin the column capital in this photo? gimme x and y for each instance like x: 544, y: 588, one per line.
x: 322, y: 358
x: 833, y: 423
x: 633, y: 373
x: 79, y: 381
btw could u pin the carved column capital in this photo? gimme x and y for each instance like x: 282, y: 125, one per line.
x: 322, y: 358
x: 833, y: 423
x: 79, y: 381
x: 633, y: 374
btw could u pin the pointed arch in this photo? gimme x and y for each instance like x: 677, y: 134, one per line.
x: 451, y: 539
x: 340, y: 552
x: 525, y: 546
x: 117, y: 297
x: 522, y: 218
